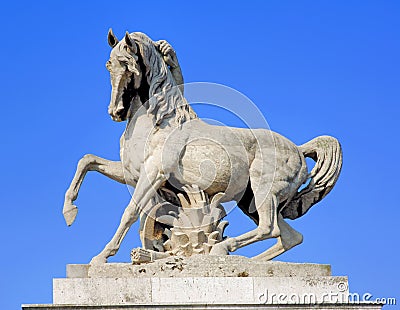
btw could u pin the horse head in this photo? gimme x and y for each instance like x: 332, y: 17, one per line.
x: 126, y: 71
x: 140, y: 77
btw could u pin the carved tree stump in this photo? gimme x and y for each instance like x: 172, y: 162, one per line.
x: 183, y: 224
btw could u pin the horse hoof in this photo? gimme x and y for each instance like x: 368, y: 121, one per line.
x: 219, y: 249
x: 70, y: 211
x: 98, y: 260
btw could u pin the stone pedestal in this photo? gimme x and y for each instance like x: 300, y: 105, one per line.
x: 201, y: 282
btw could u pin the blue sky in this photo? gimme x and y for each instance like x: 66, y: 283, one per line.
x: 311, y: 67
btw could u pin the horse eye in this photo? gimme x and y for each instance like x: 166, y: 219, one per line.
x: 128, y: 49
x: 125, y: 64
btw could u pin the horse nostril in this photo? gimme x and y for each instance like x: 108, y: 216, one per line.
x: 119, y: 111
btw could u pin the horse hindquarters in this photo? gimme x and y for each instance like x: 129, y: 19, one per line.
x: 326, y: 151
x: 275, y: 175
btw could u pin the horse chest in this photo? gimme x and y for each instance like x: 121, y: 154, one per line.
x: 132, y: 156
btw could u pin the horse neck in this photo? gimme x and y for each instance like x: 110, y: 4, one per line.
x: 169, y: 106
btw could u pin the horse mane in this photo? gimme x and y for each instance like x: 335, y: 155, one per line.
x: 165, y: 97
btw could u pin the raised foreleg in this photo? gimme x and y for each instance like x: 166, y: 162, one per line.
x: 111, y: 169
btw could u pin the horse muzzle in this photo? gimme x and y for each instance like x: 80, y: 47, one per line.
x: 117, y: 111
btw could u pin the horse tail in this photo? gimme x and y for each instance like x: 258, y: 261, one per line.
x: 327, y: 153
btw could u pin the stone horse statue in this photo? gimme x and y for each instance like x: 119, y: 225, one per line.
x: 165, y: 144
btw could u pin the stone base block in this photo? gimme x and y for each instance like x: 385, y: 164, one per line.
x: 211, y: 290
x: 201, y: 282
x: 200, y: 266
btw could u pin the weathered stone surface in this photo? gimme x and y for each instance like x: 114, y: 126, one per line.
x: 242, y: 284
x: 211, y: 290
x: 200, y: 266
x: 102, y: 291
x: 199, y: 279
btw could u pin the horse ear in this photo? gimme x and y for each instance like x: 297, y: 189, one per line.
x: 112, y: 39
x: 131, y: 43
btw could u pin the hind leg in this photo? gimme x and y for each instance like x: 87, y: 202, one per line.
x: 288, y: 239
x: 266, y: 203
